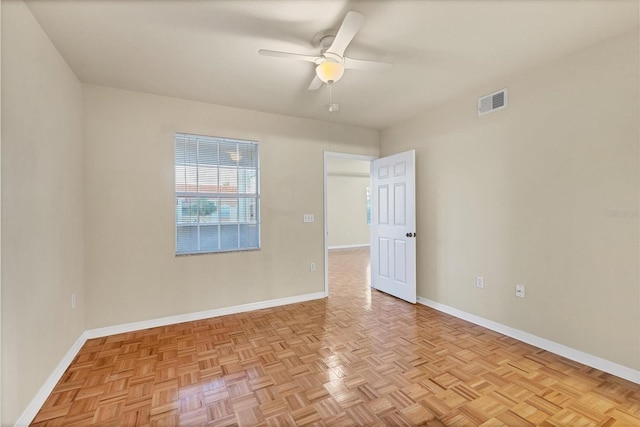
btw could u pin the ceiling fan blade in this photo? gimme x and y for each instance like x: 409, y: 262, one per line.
x: 350, y: 26
x: 316, y: 83
x: 361, y: 64
x: 288, y: 55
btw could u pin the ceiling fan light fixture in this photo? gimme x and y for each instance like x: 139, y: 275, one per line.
x: 329, y: 71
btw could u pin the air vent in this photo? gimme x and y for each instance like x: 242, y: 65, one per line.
x: 490, y: 103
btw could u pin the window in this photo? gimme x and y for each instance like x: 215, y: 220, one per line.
x: 217, y: 194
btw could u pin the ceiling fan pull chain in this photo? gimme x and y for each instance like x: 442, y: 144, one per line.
x: 332, y: 107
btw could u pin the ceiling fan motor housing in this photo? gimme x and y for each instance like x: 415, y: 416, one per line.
x: 333, y: 57
x: 324, y: 39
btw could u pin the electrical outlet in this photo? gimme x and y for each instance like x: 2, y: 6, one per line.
x: 73, y: 301
x: 312, y: 266
x: 479, y: 282
x: 520, y: 293
x: 308, y: 218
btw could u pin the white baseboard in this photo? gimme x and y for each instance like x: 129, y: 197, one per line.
x: 36, y: 403
x: 359, y: 245
x: 189, y: 317
x: 545, y: 344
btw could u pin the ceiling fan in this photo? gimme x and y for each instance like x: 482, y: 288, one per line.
x: 331, y: 63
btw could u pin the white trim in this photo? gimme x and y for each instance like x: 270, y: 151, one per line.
x: 36, y: 403
x: 358, y: 245
x: 199, y: 315
x: 545, y: 344
x: 350, y: 174
x: 327, y: 155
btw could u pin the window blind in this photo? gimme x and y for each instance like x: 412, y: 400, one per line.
x: 217, y: 196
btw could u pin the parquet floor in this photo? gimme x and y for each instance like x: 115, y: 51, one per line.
x: 359, y: 357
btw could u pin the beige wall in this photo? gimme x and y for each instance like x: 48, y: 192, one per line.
x: 42, y: 219
x: 522, y: 195
x: 347, y: 182
x: 132, y: 273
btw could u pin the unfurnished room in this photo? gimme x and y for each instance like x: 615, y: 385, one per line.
x: 320, y: 212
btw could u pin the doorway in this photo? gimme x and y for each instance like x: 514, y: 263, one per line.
x: 346, y: 209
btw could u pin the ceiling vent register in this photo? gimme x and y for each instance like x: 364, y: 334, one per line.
x: 492, y: 102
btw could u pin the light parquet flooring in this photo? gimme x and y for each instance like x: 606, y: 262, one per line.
x: 359, y: 357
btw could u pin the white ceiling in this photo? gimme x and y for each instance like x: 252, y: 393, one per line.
x: 208, y: 50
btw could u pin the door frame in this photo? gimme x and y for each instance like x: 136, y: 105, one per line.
x: 327, y: 156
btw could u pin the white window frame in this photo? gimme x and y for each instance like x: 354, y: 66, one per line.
x: 187, y: 189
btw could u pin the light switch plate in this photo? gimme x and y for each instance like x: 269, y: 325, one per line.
x: 308, y: 218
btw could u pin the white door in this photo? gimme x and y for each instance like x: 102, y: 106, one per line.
x: 393, y: 225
